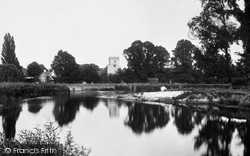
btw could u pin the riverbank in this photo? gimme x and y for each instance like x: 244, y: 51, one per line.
x: 140, y: 87
x: 10, y: 92
x: 195, y: 98
x: 223, y: 102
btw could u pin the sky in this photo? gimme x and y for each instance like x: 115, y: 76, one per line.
x: 92, y: 30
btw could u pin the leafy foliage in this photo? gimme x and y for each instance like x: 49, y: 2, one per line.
x: 45, y: 138
x: 8, y: 52
x: 43, y: 67
x: 183, y: 54
x: 118, y: 76
x: 124, y: 75
x: 216, y: 32
x: 9, y: 73
x: 65, y: 67
x: 183, y: 62
x: 145, y: 59
x: 89, y: 73
x: 243, y: 34
x: 15, y: 91
x: 34, y: 69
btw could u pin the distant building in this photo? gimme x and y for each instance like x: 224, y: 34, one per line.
x: 113, y: 65
x: 111, y: 68
x: 47, y: 76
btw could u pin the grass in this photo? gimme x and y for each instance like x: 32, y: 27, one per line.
x: 44, y: 141
x: 17, y: 91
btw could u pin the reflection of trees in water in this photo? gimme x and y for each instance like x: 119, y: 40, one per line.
x: 185, y: 120
x: 65, y: 110
x: 87, y: 99
x: 145, y: 118
x: 216, y: 134
x: 9, y: 118
x: 244, y: 134
x: 66, y: 107
x: 35, y: 105
x: 90, y: 102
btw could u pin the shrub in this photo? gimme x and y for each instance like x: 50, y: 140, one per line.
x: 12, y: 91
x: 211, y: 80
x: 239, y: 82
x: 9, y: 73
x: 36, y: 142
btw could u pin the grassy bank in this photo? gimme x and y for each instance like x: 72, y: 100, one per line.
x: 17, y: 91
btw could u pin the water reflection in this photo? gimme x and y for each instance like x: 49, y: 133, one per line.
x: 185, y: 120
x: 66, y: 107
x: 35, y: 105
x: 9, y: 118
x: 113, y: 108
x: 65, y: 110
x: 244, y: 134
x: 210, y: 134
x: 145, y: 118
x: 216, y: 134
x: 90, y: 103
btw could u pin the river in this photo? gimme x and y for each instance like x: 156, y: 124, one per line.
x: 118, y: 128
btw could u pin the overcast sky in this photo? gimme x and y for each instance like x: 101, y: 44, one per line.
x: 92, y: 30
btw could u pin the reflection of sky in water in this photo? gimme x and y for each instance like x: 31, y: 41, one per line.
x: 108, y: 135
x: 103, y: 129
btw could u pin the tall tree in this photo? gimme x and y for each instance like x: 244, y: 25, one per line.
x: 8, y: 52
x: 183, y: 61
x: 89, y: 73
x: 210, y: 64
x: 34, y: 70
x: 243, y: 34
x: 9, y: 73
x: 145, y: 59
x: 65, y: 67
x: 215, y: 30
x: 183, y: 55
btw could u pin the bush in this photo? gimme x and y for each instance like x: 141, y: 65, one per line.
x: 184, y: 78
x: 16, y: 91
x: 9, y: 73
x: 211, y: 80
x: 239, y: 82
x: 37, y: 142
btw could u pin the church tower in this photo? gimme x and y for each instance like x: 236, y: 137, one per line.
x: 113, y: 65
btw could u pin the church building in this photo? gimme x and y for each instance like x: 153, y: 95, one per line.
x: 113, y: 65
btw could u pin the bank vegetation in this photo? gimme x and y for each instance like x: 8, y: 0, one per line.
x: 10, y: 92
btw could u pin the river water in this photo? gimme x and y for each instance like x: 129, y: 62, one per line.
x: 119, y: 128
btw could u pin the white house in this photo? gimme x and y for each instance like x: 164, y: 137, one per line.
x: 47, y: 76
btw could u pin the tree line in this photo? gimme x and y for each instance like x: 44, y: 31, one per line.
x: 219, y: 25
x: 64, y: 66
